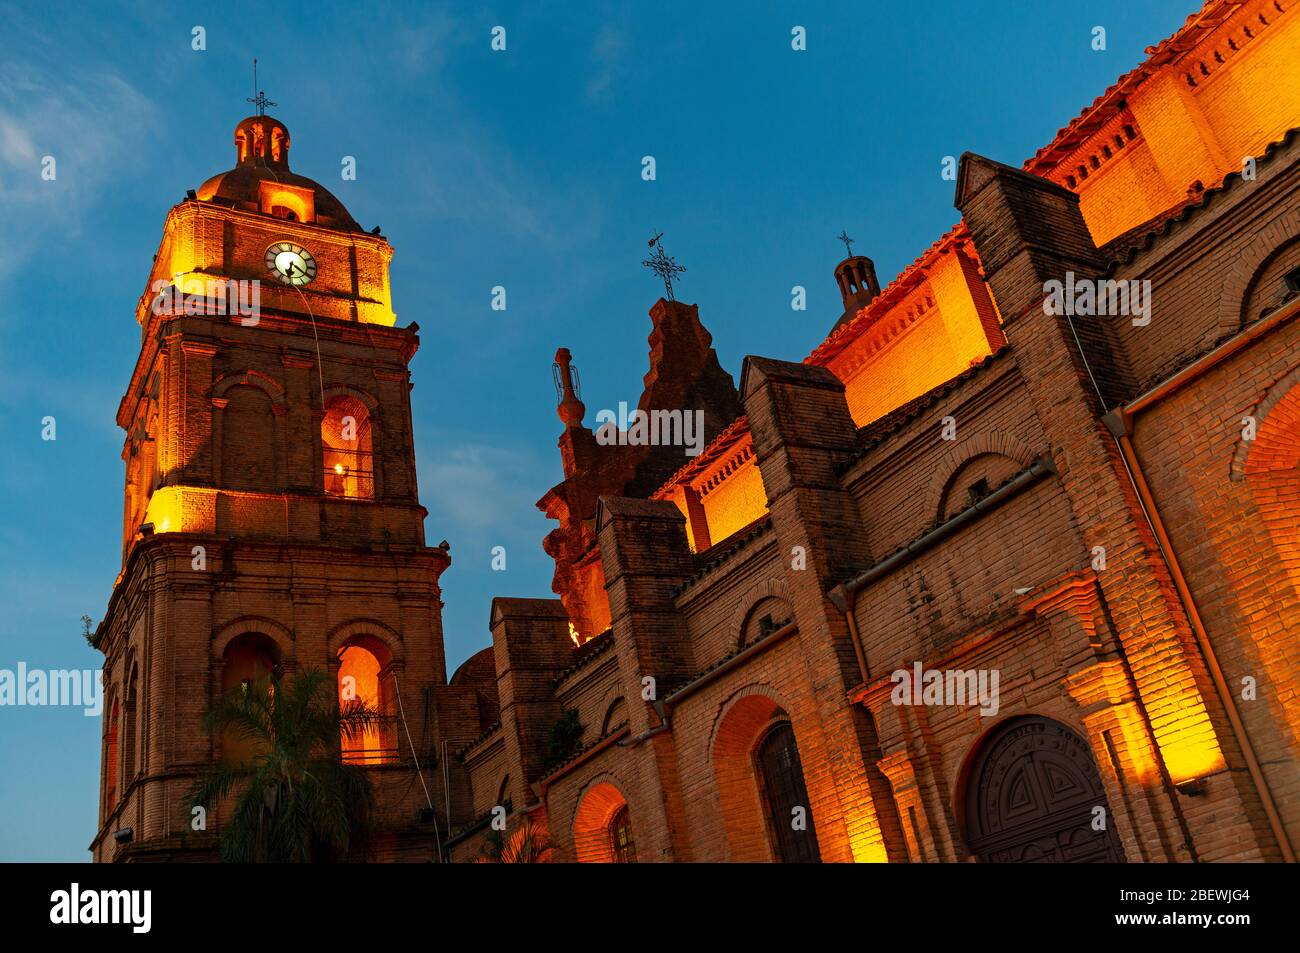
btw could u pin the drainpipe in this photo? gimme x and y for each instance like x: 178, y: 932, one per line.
x: 1120, y: 424
x: 665, y: 724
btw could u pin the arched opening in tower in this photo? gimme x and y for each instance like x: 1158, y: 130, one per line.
x: 361, y: 677
x: 346, y: 448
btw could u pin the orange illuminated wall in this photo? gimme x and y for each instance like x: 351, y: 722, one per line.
x: 278, y: 199
x: 735, y: 500
x: 1204, y: 100
x: 589, y: 580
x: 352, y: 282
x: 931, y: 324
x: 722, y: 491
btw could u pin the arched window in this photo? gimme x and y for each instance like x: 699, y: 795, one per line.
x: 785, y: 797
x: 363, y: 677
x: 249, y: 438
x: 602, y: 827
x: 347, y: 449
x: 110, y: 762
x: 766, y: 616
x: 621, y: 844
x: 249, y: 661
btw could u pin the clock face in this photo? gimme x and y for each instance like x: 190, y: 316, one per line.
x: 291, y: 263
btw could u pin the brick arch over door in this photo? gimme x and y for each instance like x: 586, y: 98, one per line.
x: 1269, y: 466
x: 742, y: 723
x: 967, y: 449
x: 599, y: 803
x: 1249, y: 263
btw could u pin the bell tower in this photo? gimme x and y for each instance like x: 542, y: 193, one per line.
x: 271, y: 517
x: 856, y: 278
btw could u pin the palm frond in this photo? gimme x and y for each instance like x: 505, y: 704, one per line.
x: 295, y: 800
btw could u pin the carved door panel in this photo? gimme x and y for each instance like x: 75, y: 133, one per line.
x: 1032, y: 797
x: 781, y: 778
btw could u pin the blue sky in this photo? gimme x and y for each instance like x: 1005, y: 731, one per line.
x: 520, y: 169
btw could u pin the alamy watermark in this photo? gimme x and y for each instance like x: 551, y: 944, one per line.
x: 130, y: 907
x: 657, y: 428
x: 241, y: 297
x: 1104, y: 298
x: 62, y: 688
x: 955, y: 686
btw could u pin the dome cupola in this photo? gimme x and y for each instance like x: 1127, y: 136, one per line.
x: 262, y: 140
x: 261, y: 180
x: 856, y: 277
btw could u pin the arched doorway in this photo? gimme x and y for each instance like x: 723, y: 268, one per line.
x: 602, y: 827
x: 766, y: 810
x: 785, y: 796
x: 1031, y: 794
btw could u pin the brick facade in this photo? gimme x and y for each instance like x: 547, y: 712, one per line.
x: 1098, y: 512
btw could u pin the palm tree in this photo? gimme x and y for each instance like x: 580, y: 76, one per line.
x: 296, y: 800
x: 529, y: 844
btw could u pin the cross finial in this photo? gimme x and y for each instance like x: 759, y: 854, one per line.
x: 663, y: 266
x: 848, y: 242
x: 258, y: 98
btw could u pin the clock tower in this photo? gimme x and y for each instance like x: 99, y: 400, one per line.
x: 271, y: 519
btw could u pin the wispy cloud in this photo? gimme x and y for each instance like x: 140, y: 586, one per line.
x: 483, y: 493
x: 422, y: 42
x: 87, y: 120
x: 608, y: 55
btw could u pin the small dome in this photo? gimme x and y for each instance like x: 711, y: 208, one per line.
x: 262, y: 154
x: 856, y: 277
x: 262, y: 140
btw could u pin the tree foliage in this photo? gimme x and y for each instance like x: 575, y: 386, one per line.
x: 294, y: 799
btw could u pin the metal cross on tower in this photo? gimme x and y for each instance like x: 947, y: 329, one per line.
x: 663, y: 266
x: 259, y: 96
x: 848, y: 242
